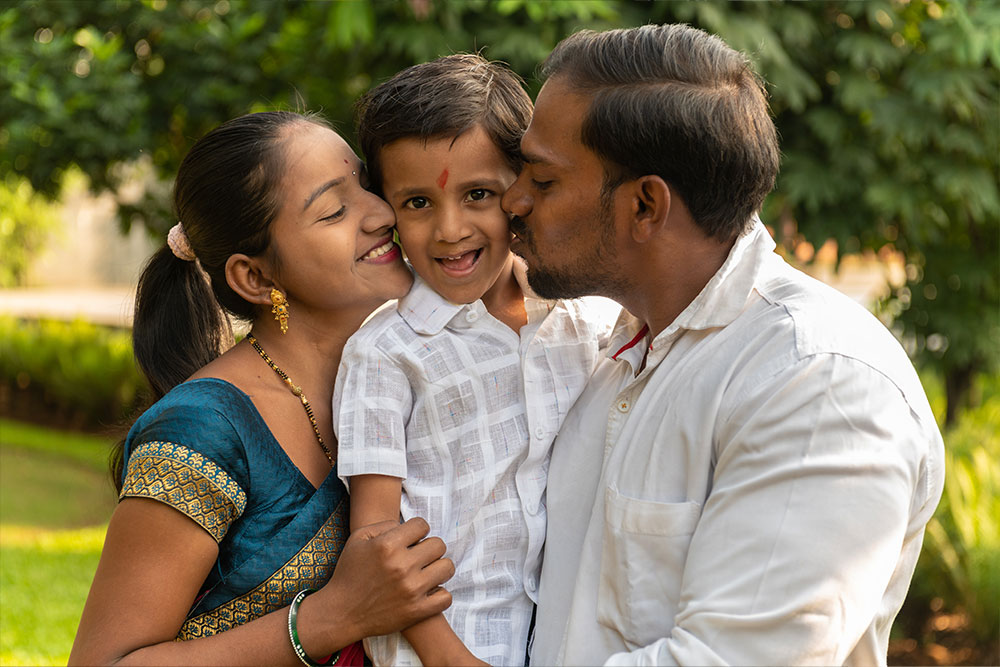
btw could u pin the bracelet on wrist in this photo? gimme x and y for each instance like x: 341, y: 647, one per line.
x: 293, y: 632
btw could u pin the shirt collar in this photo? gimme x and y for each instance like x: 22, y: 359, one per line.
x: 725, y: 295
x: 427, y: 312
x: 719, y: 303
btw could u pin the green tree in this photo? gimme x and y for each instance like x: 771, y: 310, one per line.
x: 888, y: 110
x: 889, y: 117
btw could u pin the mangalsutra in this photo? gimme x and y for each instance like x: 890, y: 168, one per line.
x: 297, y: 391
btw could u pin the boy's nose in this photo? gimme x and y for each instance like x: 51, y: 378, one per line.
x: 452, y: 226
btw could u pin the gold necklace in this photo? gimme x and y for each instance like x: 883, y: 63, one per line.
x: 297, y: 391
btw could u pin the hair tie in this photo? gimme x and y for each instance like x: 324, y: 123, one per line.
x: 179, y: 243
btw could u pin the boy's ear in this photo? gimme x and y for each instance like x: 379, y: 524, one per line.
x: 250, y: 278
x: 650, y: 207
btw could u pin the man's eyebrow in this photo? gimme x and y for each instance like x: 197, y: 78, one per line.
x: 531, y: 158
x: 320, y: 190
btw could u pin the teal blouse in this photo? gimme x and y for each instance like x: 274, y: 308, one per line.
x: 204, y: 450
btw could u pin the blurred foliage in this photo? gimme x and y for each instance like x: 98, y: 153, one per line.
x: 960, y: 563
x: 27, y: 221
x: 888, y: 110
x: 81, y: 374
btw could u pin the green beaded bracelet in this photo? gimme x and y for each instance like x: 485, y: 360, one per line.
x: 293, y: 631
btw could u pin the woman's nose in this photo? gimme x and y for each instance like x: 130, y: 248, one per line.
x: 380, y: 215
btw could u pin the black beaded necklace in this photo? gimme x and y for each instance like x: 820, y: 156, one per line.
x: 297, y: 391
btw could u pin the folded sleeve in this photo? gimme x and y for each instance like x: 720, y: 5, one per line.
x: 192, y: 460
x: 371, y: 406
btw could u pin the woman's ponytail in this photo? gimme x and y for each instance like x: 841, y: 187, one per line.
x: 178, y: 325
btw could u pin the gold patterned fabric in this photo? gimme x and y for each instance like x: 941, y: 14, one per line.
x: 277, y: 533
x: 187, y: 481
x: 311, y: 567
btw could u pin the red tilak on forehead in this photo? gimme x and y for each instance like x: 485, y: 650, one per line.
x: 443, y: 179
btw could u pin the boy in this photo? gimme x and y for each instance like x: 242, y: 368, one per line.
x: 446, y: 405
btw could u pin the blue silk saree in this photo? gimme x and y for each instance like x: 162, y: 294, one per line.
x: 204, y: 450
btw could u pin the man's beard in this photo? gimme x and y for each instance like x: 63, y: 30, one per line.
x: 594, y: 273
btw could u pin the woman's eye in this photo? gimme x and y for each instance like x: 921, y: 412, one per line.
x: 335, y: 215
x: 416, y: 203
x: 478, y: 194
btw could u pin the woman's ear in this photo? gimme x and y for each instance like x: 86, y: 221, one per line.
x: 650, y: 207
x: 250, y: 278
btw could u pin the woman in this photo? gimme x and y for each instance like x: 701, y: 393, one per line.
x: 231, y: 510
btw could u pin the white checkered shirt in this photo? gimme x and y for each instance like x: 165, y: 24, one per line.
x: 464, y: 410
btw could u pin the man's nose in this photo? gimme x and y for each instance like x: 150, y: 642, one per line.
x: 515, y: 200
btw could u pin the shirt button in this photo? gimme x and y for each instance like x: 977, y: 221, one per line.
x: 532, y: 584
x: 471, y: 316
x: 624, y: 405
x: 532, y: 508
x: 539, y: 432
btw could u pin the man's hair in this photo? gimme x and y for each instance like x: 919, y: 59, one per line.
x: 444, y: 98
x: 679, y: 103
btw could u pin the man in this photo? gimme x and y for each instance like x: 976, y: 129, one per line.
x: 747, y: 477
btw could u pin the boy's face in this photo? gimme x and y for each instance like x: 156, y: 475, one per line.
x: 446, y: 196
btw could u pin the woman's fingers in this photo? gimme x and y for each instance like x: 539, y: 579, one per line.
x: 435, y: 574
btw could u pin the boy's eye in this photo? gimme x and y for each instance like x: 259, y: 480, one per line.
x: 478, y: 194
x: 416, y: 203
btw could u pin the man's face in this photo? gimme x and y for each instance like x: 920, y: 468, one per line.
x: 564, y: 228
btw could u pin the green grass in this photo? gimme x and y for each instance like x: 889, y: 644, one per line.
x: 55, y: 501
x: 44, y: 576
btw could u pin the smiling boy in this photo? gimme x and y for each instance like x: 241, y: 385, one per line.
x: 447, y: 404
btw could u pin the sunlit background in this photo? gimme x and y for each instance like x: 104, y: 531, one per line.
x: 888, y: 112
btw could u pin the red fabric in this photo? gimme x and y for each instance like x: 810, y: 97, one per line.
x: 352, y: 656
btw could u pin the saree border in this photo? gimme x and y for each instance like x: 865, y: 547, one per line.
x: 311, y: 567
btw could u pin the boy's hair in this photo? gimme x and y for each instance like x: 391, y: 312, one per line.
x: 442, y: 98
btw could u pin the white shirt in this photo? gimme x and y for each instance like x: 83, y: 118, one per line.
x: 464, y: 410
x: 757, y: 495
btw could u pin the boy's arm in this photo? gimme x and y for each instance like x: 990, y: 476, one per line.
x: 376, y: 498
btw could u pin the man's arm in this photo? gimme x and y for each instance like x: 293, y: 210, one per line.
x: 818, y: 503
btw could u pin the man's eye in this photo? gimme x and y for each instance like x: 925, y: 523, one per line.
x: 541, y: 185
x: 416, y: 203
x: 478, y: 194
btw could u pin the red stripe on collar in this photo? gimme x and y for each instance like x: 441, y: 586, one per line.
x: 632, y: 343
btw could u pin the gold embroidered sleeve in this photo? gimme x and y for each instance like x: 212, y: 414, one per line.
x: 188, y: 482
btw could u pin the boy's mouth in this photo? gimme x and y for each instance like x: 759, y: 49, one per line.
x: 460, y: 264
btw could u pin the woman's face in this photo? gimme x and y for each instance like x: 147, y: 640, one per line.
x: 332, y: 238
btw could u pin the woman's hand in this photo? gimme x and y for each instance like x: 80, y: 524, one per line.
x: 389, y: 577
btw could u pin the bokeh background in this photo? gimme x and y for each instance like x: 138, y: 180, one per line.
x: 889, y: 117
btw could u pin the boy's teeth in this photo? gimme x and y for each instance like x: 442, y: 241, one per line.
x: 379, y: 251
x: 460, y: 262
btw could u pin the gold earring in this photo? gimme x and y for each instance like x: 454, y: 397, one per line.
x: 280, y: 309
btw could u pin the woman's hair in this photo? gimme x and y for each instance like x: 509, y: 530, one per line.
x: 225, y: 198
x: 444, y: 98
x: 679, y: 103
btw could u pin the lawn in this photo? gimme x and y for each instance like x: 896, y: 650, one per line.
x: 55, y: 501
